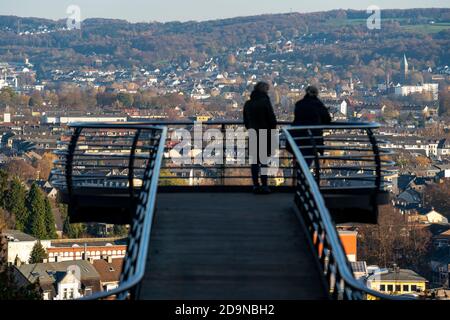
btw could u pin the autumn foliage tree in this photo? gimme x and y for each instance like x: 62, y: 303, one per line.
x: 45, y: 165
x: 21, y: 169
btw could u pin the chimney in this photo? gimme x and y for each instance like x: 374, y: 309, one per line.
x: 395, y: 268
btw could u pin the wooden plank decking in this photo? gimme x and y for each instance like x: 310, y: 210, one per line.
x: 229, y: 246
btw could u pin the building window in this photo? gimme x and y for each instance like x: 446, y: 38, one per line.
x: 413, y: 287
x: 405, y: 288
x: 397, y: 288
x: 87, y: 291
x: 65, y: 294
x: 382, y: 287
x: 71, y: 296
x: 390, y: 288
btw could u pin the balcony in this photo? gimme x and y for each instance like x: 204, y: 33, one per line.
x: 197, y: 231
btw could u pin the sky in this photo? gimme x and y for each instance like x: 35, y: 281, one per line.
x: 183, y: 10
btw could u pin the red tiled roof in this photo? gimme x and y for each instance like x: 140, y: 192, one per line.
x: 109, y: 272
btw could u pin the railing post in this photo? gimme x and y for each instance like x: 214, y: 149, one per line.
x: 69, y: 160
x: 377, y: 158
x: 316, y: 157
x: 224, y: 158
x: 131, y: 163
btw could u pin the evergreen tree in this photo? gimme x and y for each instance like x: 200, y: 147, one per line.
x: 49, y: 220
x: 38, y: 253
x: 120, y: 230
x: 71, y: 230
x: 67, y: 228
x: 3, y: 187
x: 36, y: 211
x: 14, y: 202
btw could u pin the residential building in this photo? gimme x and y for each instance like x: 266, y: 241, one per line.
x: 435, y: 217
x: 46, y: 119
x: 432, y: 88
x: 19, y: 245
x: 109, y: 270
x: 349, y: 239
x: 442, y: 240
x: 440, y: 267
x: 397, y: 281
x: 80, y: 249
x: 62, y: 280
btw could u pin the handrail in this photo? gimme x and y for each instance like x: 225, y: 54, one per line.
x: 145, y: 226
x: 143, y: 124
x: 134, y: 263
x: 144, y: 223
x: 345, y: 283
x: 341, y: 135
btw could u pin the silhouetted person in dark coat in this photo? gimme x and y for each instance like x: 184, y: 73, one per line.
x: 259, y: 115
x: 310, y: 111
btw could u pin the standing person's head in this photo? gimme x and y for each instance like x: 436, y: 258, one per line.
x: 262, y: 87
x: 312, y: 91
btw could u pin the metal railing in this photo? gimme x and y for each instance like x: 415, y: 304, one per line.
x: 349, y: 158
x: 345, y: 155
x: 315, y: 217
x: 82, y: 167
x: 227, y: 173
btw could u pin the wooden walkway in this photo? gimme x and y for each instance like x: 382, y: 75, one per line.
x: 229, y: 246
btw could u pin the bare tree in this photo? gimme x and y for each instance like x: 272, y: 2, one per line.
x: 394, y: 240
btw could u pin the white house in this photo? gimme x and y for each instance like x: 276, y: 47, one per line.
x: 443, y: 148
x: 20, y: 245
x: 61, y: 280
x: 343, y: 108
x: 435, y: 217
x: 69, y: 287
x: 433, y: 88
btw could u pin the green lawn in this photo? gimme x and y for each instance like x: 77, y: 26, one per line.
x: 427, y: 28
x: 424, y: 28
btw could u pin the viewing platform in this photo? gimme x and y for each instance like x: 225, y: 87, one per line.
x: 229, y: 246
x: 198, y: 231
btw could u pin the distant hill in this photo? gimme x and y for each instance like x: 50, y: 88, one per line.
x: 423, y: 33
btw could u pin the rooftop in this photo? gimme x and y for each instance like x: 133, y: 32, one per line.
x: 16, y: 235
x: 397, y: 275
x: 109, y: 272
x: 55, y: 271
x: 89, y: 242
